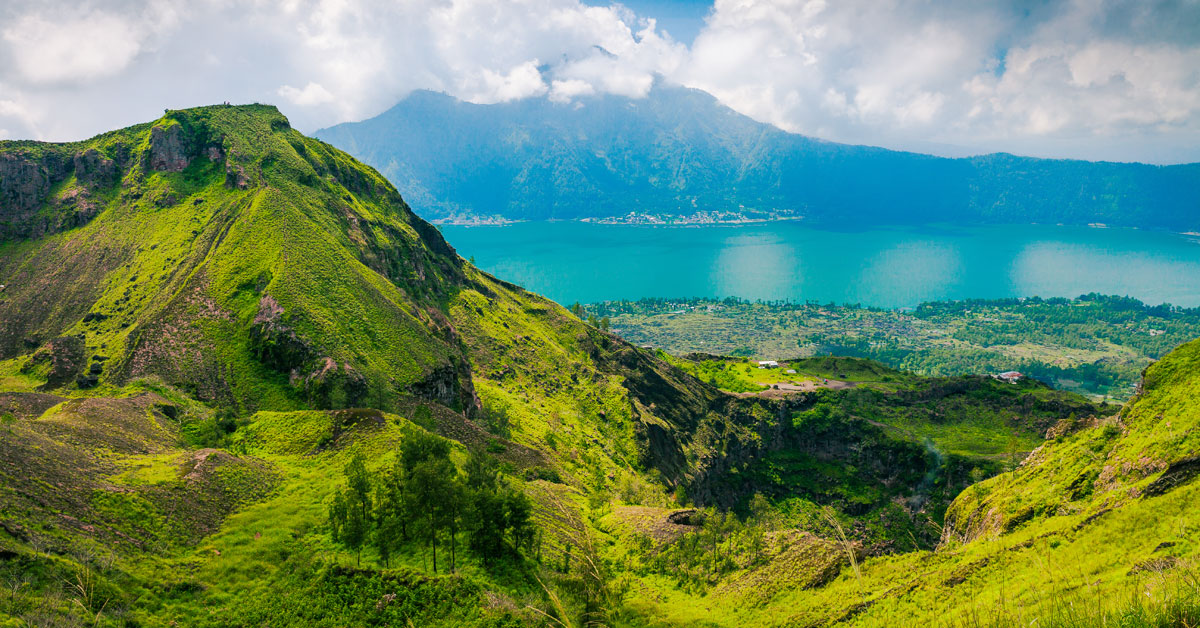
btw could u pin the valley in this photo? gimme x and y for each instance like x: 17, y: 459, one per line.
x: 1094, y: 345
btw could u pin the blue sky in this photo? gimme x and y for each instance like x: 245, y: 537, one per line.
x: 682, y: 19
x: 1089, y: 79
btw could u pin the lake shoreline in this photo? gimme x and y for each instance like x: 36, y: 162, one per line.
x: 819, y: 224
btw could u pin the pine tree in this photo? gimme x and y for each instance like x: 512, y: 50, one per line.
x: 350, y: 512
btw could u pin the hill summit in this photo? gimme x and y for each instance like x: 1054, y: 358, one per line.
x: 223, y: 251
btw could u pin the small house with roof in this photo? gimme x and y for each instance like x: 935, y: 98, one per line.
x: 1011, y: 377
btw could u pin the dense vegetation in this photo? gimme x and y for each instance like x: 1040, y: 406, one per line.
x: 679, y: 152
x: 241, y: 384
x: 1094, y: 344
x: 423, y: 496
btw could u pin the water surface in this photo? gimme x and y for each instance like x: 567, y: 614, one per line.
x: 885, y: 267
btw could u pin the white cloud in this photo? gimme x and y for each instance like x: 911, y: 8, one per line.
x: 565, y: 91
x: 86, y: 48
x: 1115, y: 79
x: 488, y: 86
x: 1118, y: 79
x: 56, y: 43
x: 327, y: 60
x: 14, y: 115
x: 312, y: 94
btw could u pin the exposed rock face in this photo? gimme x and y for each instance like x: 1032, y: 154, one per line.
x: 235, y: 177
x: 93, y: 168
x: 450, y: 386
x: 686, y: 517
x: 333, y: 386
x: 23, y: 183
x: 1180, y: 472
x: 27, y: 182
x: 169, y: 150
x: 273, y: 342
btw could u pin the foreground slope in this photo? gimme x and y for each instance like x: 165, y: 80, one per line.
x: 679, y: 151
x: 1097, y: 527
x: 223, y: 254
x: 172, y: 289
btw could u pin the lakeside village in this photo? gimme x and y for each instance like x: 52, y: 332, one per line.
x: 741, y: 216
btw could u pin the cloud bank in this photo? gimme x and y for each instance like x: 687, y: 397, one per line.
x: 1110, y: 79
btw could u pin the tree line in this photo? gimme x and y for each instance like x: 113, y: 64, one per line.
x: 424, y: 498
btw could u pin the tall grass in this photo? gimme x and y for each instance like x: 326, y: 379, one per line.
x: 1168, y: 599
x: 832, y: 520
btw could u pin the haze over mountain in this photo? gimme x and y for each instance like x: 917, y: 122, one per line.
x: 678, y: 151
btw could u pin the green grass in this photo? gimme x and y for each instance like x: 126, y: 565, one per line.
x: 150, y: 469
x: 1025, y: 547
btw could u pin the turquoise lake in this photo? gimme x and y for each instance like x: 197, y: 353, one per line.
x: 884, y: 267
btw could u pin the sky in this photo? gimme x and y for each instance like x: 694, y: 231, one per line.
x: 1088, y: 79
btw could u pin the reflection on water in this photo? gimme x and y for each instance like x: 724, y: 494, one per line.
x: 761, y: 263
x: 909, y: 272
x: 1055, y: 268
x: 886, y: 267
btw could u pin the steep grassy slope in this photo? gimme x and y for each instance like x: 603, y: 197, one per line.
x: 126, y: 536
x: 678, y: 151
x: 232, y: 257
x: 236, y: 266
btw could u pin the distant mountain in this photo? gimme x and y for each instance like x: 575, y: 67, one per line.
x: 679, y: 151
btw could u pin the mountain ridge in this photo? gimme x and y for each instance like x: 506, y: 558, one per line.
x: 678, y: 151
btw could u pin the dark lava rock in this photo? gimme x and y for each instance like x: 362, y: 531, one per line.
x: 168, y: 149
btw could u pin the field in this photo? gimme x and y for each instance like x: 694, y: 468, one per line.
x: 1095, y: 345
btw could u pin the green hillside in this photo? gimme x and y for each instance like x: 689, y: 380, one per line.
x: 233, y: 258
x: 241, y: 384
